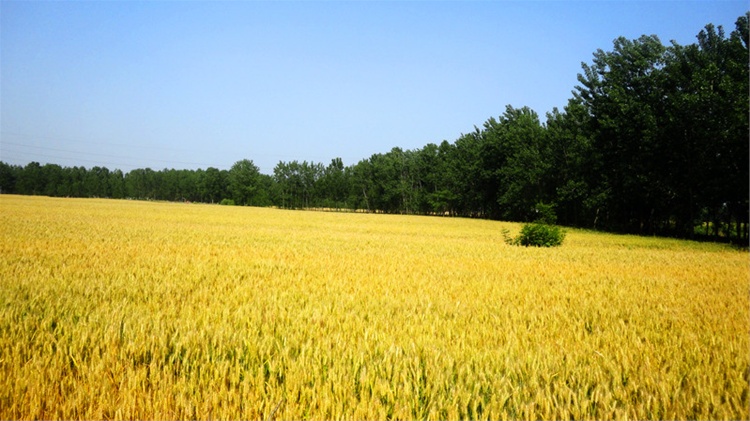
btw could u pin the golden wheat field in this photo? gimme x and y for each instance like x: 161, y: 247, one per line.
x: 136, y: 310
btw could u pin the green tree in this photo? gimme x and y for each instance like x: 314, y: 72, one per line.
x: 292, y: 184
x: 309, y: 174
x: 282, y: 176
x: 469, y: 178
x: 54, y: 178
x: 361, y: 187
x: 707, y: 129
x: 212, y: 185
x: 448, y: 181
x: 31, y: 179
x: 515, y: 163
x: 75, y: 178
x: 141, y: 183
x: 334, y: 186
x: 388, y: 191
x: 622, y: 92
x: 430, y: 172
x: 117, y: 184
x: 244, y: 182
x: 572, y: 157
x: 97, y: 182
x: 8, y: 177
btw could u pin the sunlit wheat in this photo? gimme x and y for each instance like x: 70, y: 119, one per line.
x: 136, y: 310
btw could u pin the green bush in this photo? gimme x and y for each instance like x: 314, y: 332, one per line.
x: 227, y: 202
x: 538, y: 235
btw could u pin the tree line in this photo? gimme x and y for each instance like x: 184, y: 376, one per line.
x: 653, y: 141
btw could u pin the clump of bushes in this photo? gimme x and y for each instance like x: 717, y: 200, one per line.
x: 227, y: 202
x: 537, y: 234
x: 541, y: 233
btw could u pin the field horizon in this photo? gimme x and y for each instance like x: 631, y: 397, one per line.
x: 118, y: 309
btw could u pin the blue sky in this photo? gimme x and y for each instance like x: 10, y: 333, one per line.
x: 135, y: 84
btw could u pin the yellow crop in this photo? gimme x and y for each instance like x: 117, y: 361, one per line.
x: 136, y: 310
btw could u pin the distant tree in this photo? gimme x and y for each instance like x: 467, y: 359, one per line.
x: 310, y: 173
x: 361, y: 187
x: 32, y: 179
x: 141, y: 184
x: 117, y: 184
x: 244, y: 182
x: 429, y: 170
x: 263, y: 196
x: 75, y: 178
x: 475, y: 186
x: 212, y: 185
x: 54, y: 180
x: 386, y: 193
x: 447, y: 181
x: 8, y: 177
x: 333, y: 184
x: 289, y: 184
x: 97, y: 182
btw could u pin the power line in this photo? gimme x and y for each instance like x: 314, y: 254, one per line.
x: 56, y: 159
x: 142, y: 147
x: 85, y: 142
x: 103, y: 155
x: 119, y: 158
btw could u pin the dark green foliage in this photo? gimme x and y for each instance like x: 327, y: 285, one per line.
x: 515, y: 162
x: 227, y: 202
x: 8, y: 176
x: 244, y: 183
x: 545, y: 213
x: 537, y: 235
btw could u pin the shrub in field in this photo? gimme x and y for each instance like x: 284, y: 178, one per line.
x: 538, y: 235
x: 227, y: 202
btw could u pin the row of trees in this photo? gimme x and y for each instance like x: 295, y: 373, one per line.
x: 654, y: 141
x: 243, y: 183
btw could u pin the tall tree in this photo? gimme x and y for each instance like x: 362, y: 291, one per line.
x: 361, y: 187
x: 572, y: 157
x: 213, y: 185
x: 117, y: 184
x: 244, y: 182
x: 32, y: 179
x: 54, y: 178
x: 514, y: 163
x: 622, y: 91
x: 706, y: 130
x: 8, y: 177
x: 334, y: 186
x: 470, y: 182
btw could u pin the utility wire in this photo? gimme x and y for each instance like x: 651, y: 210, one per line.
x: 118, y: 158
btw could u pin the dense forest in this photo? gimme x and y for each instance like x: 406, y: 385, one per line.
x: 653, y: 141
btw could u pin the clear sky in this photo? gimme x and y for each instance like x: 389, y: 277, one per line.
x: 170, y: 84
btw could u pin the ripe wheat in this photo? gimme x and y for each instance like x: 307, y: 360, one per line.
x: 136, y: 310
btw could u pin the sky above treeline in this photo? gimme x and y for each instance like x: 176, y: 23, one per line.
x: 136, y: 84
